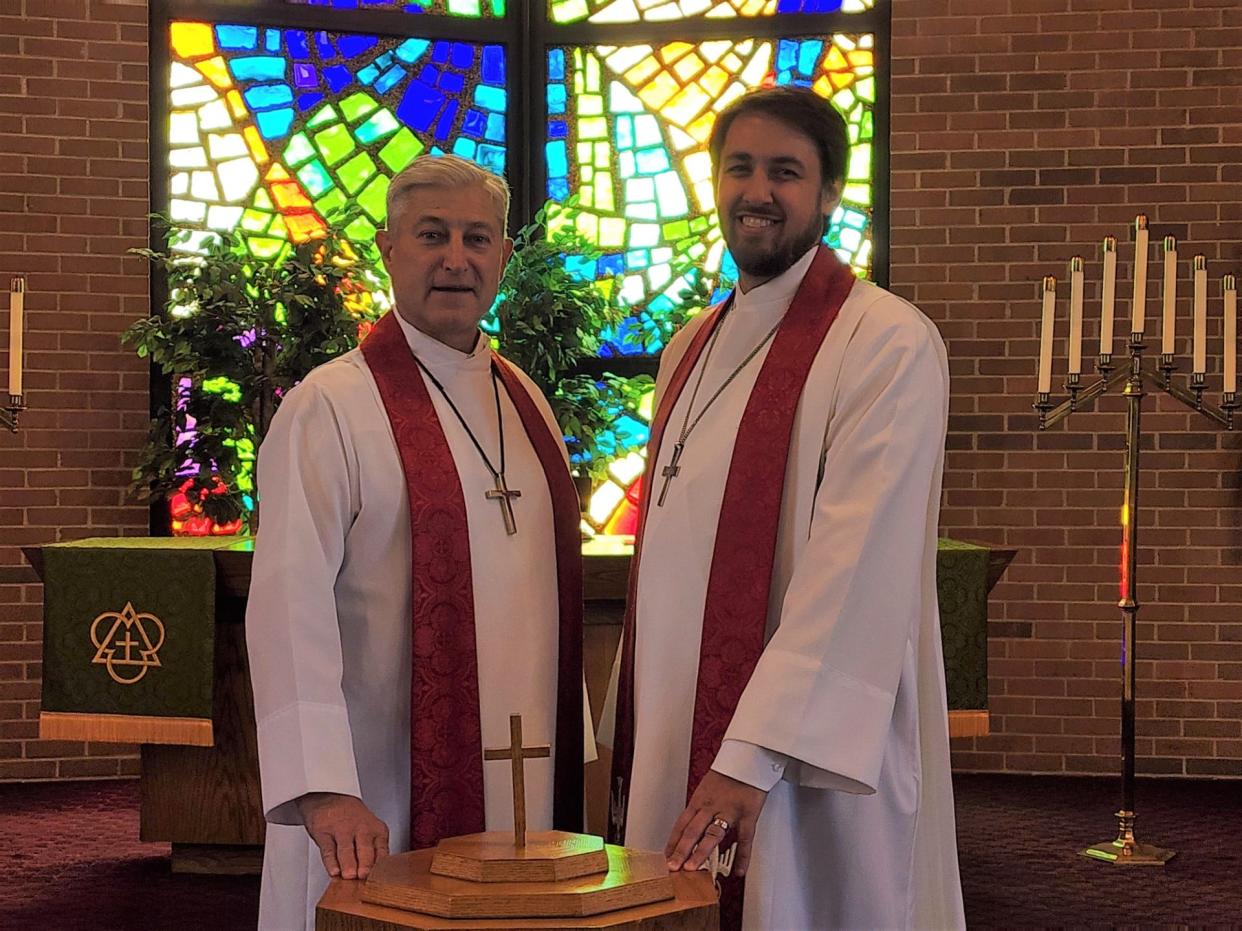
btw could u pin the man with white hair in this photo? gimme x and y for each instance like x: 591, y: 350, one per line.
x: 417, y: 574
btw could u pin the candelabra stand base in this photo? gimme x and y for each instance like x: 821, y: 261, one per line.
x: 1125, y: 850
x: 10, y: 413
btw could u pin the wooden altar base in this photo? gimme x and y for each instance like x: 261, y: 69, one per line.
x: 693, y: 908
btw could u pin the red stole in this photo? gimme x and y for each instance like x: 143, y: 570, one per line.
x: 740, y: 582
x: 446, y: 742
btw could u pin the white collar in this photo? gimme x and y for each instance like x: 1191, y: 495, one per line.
x: 779, y: 290
x: 442, y: 357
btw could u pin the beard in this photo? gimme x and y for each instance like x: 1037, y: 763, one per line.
x: 770, y: 261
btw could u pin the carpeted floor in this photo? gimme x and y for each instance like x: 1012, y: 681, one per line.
x: 71, y: 860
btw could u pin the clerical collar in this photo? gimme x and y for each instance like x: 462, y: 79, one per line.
x: 439, y: 356
x: 779, y: 290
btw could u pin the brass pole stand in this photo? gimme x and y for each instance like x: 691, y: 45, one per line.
x: 1125, y: 850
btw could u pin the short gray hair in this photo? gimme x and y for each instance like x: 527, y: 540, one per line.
x: 446, y: 171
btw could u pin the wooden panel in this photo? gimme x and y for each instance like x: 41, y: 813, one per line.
x: 210, y: 795
x: 969, y: 724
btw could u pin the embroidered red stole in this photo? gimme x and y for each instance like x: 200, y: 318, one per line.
x: 740, y: 581
x: 446, y: 742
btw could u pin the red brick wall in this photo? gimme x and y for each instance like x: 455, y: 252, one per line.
x: 73, y: 199
x: 1022, y: 134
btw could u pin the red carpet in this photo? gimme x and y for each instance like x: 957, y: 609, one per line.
x: 72, y: 860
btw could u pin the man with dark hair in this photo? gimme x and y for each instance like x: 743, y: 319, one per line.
x: 780, y: 703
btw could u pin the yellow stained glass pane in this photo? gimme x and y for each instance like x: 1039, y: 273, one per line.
x: 215, y: 71
x: 192, y: 40
x: 688, y: 67
x: 237, y: 106
x: 659, y: 90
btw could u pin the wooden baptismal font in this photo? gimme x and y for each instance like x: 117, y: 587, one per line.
x: 544, y: 879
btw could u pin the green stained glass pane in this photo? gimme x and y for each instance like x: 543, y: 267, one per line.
x: 315, y: 178
x: 255, y: 221
x: 377, y: 127
x: 263, y: 248
x: 331, y: 202
x: 361, y: 230
x: 401, y: 150
x: 675, y: 231
x: 262, y: 200
x: 866, y: 89
x: 355, y: 172
x: 372, y: 198
x: 463, y: 7
x: 335, y: 143
x: 356, y: 106
x: 592, y: 128
x: 324, y: 116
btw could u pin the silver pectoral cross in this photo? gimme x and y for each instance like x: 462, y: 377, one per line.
x: 670, y: 472
x: 503, y: 494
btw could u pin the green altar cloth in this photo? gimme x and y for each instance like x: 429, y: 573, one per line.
x: 962, y: 591
x: 129, y: 639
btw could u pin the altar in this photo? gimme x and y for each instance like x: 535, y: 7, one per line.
x: 212, y: 759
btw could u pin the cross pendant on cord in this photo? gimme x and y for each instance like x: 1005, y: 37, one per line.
x: 518, y: 755
x: 502, y: 494
x: 670, y: 472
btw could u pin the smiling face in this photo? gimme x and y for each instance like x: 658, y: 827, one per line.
x: 445, y: 251
x: 772, y: 202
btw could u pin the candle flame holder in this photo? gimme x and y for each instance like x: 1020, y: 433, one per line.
x: 10, y: 413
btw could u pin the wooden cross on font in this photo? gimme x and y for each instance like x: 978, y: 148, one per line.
x: 518, y: 755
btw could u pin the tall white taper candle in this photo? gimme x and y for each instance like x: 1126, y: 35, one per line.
x: 1045, y: 335
x: 1075, y: 334
x: 1200, y: 347
x: 1108, y: 294
x: 17, y: 315
x: 1170, y: 295
x: 1231, y: 334
x: 1138, y: 299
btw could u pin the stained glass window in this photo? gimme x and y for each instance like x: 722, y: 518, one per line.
x: 628, y: 128
x: 474, y: 9
x: 654, y: 11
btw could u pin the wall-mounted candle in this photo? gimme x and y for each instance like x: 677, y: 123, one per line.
x: 1045, y: 335
x: 1107, y: 295
x: 1200, y: 347
x: 1138, y: 299
x: 1170, y: 295
x: 1075, y: 335
x: 17, y: 313
x: 1231, y: 334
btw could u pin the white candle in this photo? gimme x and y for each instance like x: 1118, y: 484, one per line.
x: 1075, y: 337
x: 1170, y: 295
x: 17, y: 313
x: 1200, y: 346
x: 1231, y: 334
x: 1138, y: 299
x: 1107, y: 295
x: 1045, y: 335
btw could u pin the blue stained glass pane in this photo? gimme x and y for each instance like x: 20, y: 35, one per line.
x: 451, y: 82
x: 444, y: 128
x: 463, y: 55
x: 492, y: 158
x: 496, y: 127
x: 305, y: 75
x: 237, y: 37
x: 493, y: 71
x: 274, y: 124
x: 306, y: 101
x: 271, y: 40
x: 558, y: 164
x: 419, y: 106
x: 390, y: 79
x: 368, y: 74
x: 651, y: 161
x: 557, y: 129
x: 475, y: 123
x: 580, y: 267
x: 787, y: 55
x: 352, y: 46
x: 338, y: 77
x: 324, y: 44
x: 411, y: 50
x: 490, y: 98
x: 265, y: 96
x: 258, y: 68
x: 625, y: 132
x: 383, y: 61
x: 295, y: 42
x: 808, y: 55
x: 440, y: 53
x: 556, y: 98
x: 429, y: 75
x: 556, y: 65
x: 558, y: 188
x: 612, y: 264
x: 465, y: 147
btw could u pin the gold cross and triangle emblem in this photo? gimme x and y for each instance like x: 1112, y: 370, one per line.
x: 131, y: 645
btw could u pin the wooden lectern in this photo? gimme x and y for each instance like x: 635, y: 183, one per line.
x: 541, y: 879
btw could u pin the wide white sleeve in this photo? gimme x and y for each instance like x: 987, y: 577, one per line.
x: 824, y: 689
x: 292, y: 631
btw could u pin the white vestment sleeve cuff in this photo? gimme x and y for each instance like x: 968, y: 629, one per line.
x: 590, y: 753
x: 308, y: 748
x: 756, y: 766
